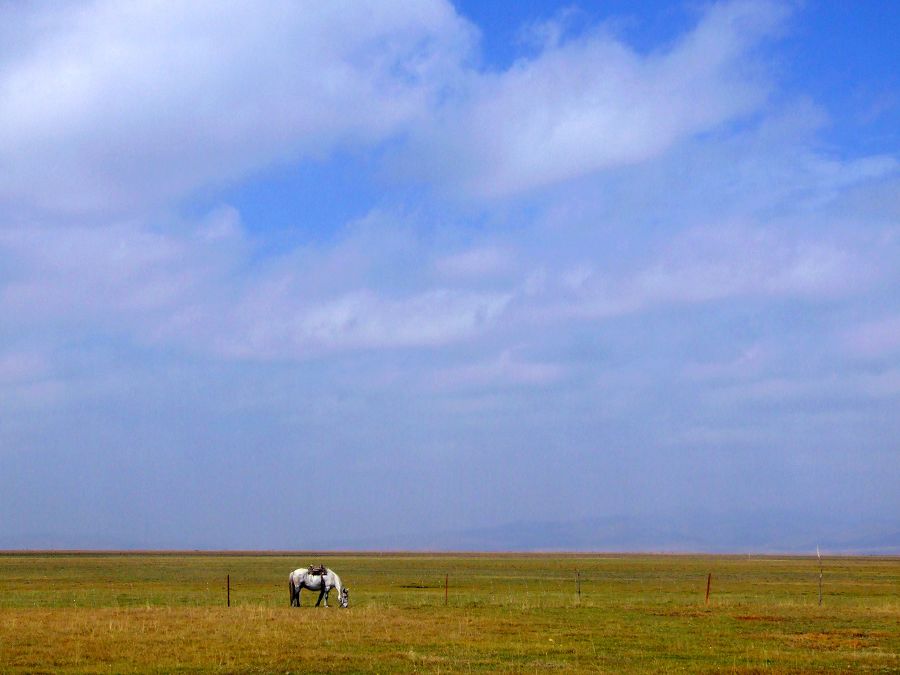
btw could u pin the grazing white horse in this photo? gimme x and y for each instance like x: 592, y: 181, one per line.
x: 302, y: 578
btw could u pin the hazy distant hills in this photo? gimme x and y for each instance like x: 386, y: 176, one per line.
x: 767, y: 532
x: 759, y: 533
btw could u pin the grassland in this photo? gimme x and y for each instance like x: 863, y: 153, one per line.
x: 85, y: 613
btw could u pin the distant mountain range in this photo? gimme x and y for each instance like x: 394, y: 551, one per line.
x: 760, y: 532
x: 756, y: 533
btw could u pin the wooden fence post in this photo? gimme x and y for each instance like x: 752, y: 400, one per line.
x: 708, y: 583
x: 446, y: 584
x: 578, y: 583
x: 228, y: 590
x: 819, y: 556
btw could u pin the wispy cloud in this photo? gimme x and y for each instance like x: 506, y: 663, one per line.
x: 878, y: 338
x: 593, y: 103
x: 105, y: 106
x: 645, y: 261
x: 505, y: 370
x: 266, y: 327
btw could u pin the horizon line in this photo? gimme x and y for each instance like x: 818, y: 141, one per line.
x: 438, y: 553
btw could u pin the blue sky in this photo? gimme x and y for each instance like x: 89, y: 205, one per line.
x: 424, y: 267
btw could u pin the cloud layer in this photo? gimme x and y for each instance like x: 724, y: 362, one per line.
x: 644, y: 264
x: 592, y: 103
x: 108, y: 107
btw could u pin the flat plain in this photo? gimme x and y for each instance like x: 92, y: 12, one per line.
x: 166, y: 613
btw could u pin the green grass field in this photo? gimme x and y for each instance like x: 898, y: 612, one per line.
x: 508, y: 613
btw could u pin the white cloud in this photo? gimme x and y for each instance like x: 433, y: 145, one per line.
x: 505, y: 370
x: 592, y: 103
x: 380, y: 284
x: 475, y: 263
x: 877, y: 338
x: 111, y: 106
x: 22, y: 366
x: 722, y: 261
x: 78, y: 273
x: 27, y: 380
x: 822, y: 392
x: 190, y: 287
x: 749, y: 363
x: 266, y: 327
x: 676, y: 267
x: 712, y: 263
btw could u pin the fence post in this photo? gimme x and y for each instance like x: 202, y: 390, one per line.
x: 446, y: 584
x: 819, y: 556
x: 708, y: 583
x: 578, y: 583
x: 228, y: 590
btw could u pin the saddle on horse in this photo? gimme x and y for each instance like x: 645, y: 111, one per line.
x: 317, y: 570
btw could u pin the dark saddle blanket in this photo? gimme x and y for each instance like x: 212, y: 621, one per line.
x: 317, y: 570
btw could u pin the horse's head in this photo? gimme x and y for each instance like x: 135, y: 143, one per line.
x: 345, y: 597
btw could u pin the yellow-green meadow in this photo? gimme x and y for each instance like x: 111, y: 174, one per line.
x: 161, y: 612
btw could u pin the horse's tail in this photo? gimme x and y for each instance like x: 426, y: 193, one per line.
x: 292, y: 590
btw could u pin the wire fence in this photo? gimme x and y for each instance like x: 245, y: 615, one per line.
x: 175, y: 581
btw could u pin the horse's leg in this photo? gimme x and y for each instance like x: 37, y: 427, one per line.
x: 326, y: 595
x: 321, y: 594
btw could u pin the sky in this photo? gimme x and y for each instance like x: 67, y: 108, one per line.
x: 292, y: 275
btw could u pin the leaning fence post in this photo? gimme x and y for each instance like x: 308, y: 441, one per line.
x: 708, y: 583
